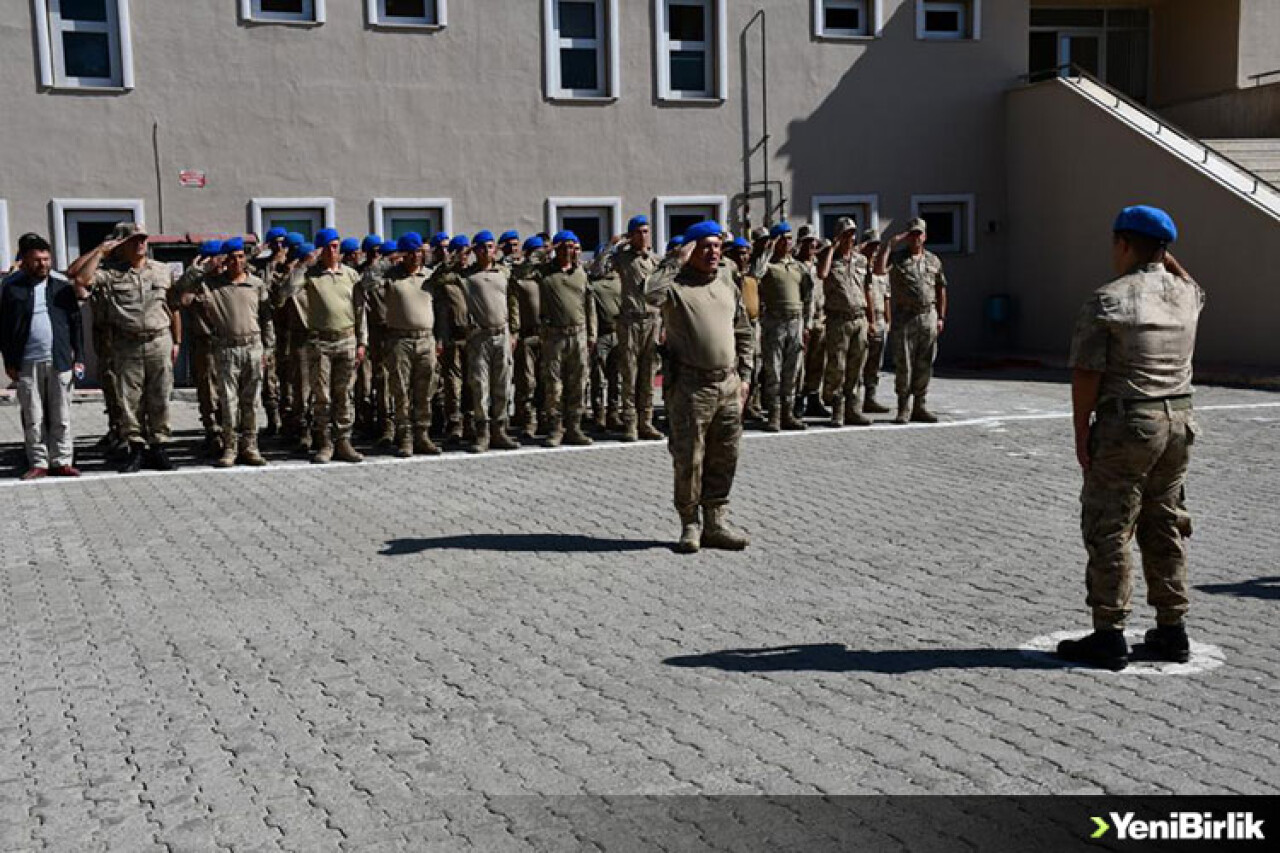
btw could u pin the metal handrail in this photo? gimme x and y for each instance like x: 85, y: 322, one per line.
x: 1257, y: 78
x: 1161, y: 122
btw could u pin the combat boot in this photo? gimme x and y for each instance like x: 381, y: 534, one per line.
x: 690, y: 534
x: 872, y: 407
x: 499, y: 439
x: 921, y: 415
x: 453, y: 434
x: 469, y: 431
x: 1169, y: 643
x: 647, y: 431
x: 249, y: 454
x: 629, y: 429
x: 598, y: 420
x: 718, y: 533
x: 160, y: 459
x: 574, y: 436
x: 480, y: 441
x: 404, y: 444
x: 853, y: 415
x: 814, y: 407
x: 790, y: 421
x: 212, y: 447
x: 904, y: 411
x: 1103, y: 648
x: 228, y: 457
x: 388, y: 434
x: 303, y: 447
x: 273, y: 424
x: 555, y: 432
x: 324, y: 449
x: 133, y: 463
x: 613, y: 421
x: 423, y: 444
x: 774, y: 423
x: 837, y: 411
x: 344, y: 452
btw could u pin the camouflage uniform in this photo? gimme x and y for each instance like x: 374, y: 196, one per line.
x: 878, y: 285
x: 204, y: 364
x: 813, y: 367
x: 606, y: 358
x: 108, y: 375
x: 786, y: 305
x: 489, y: 353
x: 846, y: 337
x: 455, y: 326
x: 291, y: 326
x: 638, y: 331
x: 913, y: 281
x: 372, y: 389
x: 567, y: 329
x: 263, y: 267
x: 1139, y: 332
x: 409, y: 300
x: 524, y: 305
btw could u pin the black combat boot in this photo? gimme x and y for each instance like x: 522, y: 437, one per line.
x: 1105, y: 648
x: 133, y: 462
x: 160, y: 459
x: 814, y: 407
x: 1169, y: 643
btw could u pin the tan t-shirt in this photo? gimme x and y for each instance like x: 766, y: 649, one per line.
x: 487, y: 297
x: 706, y: 326
x: 634, y: 268
x: 236, y: 309
x: 410, y: 300
x: 564, y: 297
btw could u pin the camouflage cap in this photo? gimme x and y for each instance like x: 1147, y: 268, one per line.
x: 805, y: 233
x: 871, y: 235
x: 127, y: 231
x: 844, y: 224
x: 759, y: 233
x: 918, y: 224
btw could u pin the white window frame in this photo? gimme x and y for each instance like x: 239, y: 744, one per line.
x: 382, y: 207
x: 53, y: 70
x: 717, y: 59
x: 967, y: 220
x: 6, y: 250
x: 607, y: 64
x: 870, y: 200
x: 251, y: 12
x: 61, y: 208
x: 612, y: 203
x: 258, y: 205
x: 376, y: 15
x: 664, y: 202
x: 970, y: 13
x: 872, y: 18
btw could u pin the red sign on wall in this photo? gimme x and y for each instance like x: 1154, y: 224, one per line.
x: 192, y: 179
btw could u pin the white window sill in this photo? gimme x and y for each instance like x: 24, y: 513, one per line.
x: 389, y: 26
x: 68, y: 89
x: 949, y: 39
x: 281, y: 22
x: 839, y: 37
x: 696, y: 101
x: 582, y: 99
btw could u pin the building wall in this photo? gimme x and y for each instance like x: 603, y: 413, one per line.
x: 1196, y: 46
x: 345, y: 111
x: 1250, y: 113
x: 1071, y: 168
x: 1259, y: 39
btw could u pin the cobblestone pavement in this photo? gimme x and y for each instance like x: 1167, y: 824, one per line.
x: 378, y: 656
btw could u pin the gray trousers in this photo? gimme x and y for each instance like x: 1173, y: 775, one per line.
x: 44, y: 391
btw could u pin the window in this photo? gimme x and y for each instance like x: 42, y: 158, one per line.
x: 304, y: 215
x: 846, y: 18
x: 948, y: 19
x: 283, y: 11
x: 580, y: 39
x: 84, y: 44
x: 951, y: 222
x: 594, y: 220
x: 395, y: 217
x: 691, y: 45
x: 677, y: 213
x: 406, y: 13
x: 865, y: 210
x: 79, y: 224
x: 6, y: 251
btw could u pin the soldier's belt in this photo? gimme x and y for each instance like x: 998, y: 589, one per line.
x: 488, y: 331
x: 717, y: 375
x: 783, y: 316
x: 842, y: 316
x: 329, y: 337
x: 636, y: 318
x: 1180, y: 403
x: 237, y: 341
x: 139, y: 337
x: 547, y: 328
x: 410, y: 334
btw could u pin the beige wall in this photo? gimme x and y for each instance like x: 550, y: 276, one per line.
x: 1243, y: 114
x: 1259, y: 39
x: 1196, y: 47
x: 1071, y: 168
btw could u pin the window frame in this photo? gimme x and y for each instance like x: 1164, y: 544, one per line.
x: 6, y: 248
x: 872, y: 15
x: 382, y: 207
x: 258, y: 206
x: 966, y: 217
x: 970, y: 10
x: 664, y: 203
x: 716, y: 51
x: 613, y: 204
x: 608, y: 65
x: 870, y: 200
x: 377, y: 18
x: 52, y: 62
x: 319, y: 14
x: 61, y: 208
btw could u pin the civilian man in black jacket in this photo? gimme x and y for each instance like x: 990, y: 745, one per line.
x: 42, y: 343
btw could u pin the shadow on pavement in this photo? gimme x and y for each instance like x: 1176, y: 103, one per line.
x: 1265, y: 588
x: 835, y: 657
x: 561, y: 543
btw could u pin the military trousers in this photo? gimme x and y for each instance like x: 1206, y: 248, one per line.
x: 204, y: 369
x: 298, y: 370
x: 413, y: 379
x: 239, y: 383
x: 453, y: 373
x: 145, y: 368
x: 782, y: 346
x: 638, y: 360
x: 283, y: 364
x: 332, y: 366
x: 816, y: 352
x: 606, y: 374
x: 914, y: 341
x: 270, y: 382
x: 525, y: 373
x: 489, y: 374
x: 1136, y: 485
x: 564, y: 373
x: 846, y: 344
x: 705, y: 416
x: 108, y: 377
x: 875, y: 360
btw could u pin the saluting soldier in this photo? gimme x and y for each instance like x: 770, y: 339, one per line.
x: 813, y: 365
x: 606, y: 358
x: 146, y: 332
x: 411, y: 346
x: 236, y: 307
x: 455, y: 326
x: 843, y: 273
x: 291, y: 325
x: 880, y: 319
x: 637, y: 331
x: 786, y: 305
x: 489, y: 345
x: 274, y: 388
x: 1134, y: 427
x: 204, y: 364
x: 338, y: 340
x: 525, y: 305
x: 709, y: 341
x: 918, y: 289
x: 568, y: 332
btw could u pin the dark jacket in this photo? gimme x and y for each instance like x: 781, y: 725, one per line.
x: 64, y: 316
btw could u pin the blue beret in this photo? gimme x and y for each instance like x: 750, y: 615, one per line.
x: 325, y: 236
x: 740, y: 243
x: 293, y: 238
x: 389, y: 246
x: 780, y: 229
x: 701, y: 230
x: 675, y: 243
x: 410, y: 242
x: 351, y: 244
x: 1149, y: 221
x: 235, y: 244
x: 209, y: 248
x: 371, y: 242
x: 440, y: 238
x: 565, y: 237
x: 533, y: 244
x: 485, y: 236
x: 304, y: 249
x: 459, y: 242
x: 509, y: 235
x: 276, y: 233
x: 637, y: 222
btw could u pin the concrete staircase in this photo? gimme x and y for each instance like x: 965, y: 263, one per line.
x: 1260, y: 156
